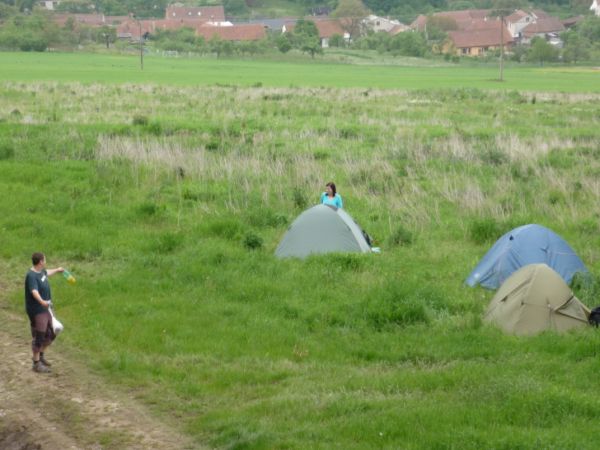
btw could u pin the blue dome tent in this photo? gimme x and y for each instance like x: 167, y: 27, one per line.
x: 527, y: 244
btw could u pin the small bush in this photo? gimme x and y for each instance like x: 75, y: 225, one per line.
x: 484, y: 230
x: 7, y: 151
x: 299, y: 198
x: 400, y: 237
x: 490, y: 154
x: 224, y: 228
x: 140, y: 120
x: 168, y: 242
x: 252, y: 241
x: 555, y: 197
x: 149, y: 209
x: 346, y: 261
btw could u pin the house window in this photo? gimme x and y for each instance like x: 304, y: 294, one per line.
x: 465, y: 51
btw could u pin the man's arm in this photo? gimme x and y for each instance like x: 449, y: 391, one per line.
x: 51, y: 272
x: 39, y: 298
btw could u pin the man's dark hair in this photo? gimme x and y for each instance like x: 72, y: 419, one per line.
x: 36, y: 258
x: 331, y: 184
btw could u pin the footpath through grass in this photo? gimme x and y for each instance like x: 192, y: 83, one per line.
x: 167, y: 203
x: 89, y: 68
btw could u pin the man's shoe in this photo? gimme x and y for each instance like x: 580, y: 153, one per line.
x: 40, y: 367
x: 43, y: 360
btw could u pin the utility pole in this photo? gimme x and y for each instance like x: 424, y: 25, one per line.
x: 141, y: 46
x: 501, y: 47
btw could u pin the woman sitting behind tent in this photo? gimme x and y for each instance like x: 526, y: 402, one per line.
x: 330, y: 197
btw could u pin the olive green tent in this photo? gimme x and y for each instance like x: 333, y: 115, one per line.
x: 322, y: 229
x: 535, y: 299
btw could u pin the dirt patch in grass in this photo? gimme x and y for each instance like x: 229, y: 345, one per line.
x: 69, y: 408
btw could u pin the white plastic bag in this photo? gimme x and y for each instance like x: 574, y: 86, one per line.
x: 57, y: 326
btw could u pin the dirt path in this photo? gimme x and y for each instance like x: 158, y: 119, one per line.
x: 69, y: 408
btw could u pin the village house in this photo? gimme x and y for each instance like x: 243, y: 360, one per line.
x: 133, y: 29
x: 377, y: 24
x: 327, y: 28
x: 49, y: 4
x: 474, y: 32
x: 524, y: 26
x: 213, y: 14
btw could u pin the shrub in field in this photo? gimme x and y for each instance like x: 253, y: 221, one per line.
x: 484, y: 230
x: 252, y: 241
x: 168, y: 242
x: 149, y: 209
x: 299, y: 198
x: 139, y: 119
x: 266, y: 218
x: 7, y: 151
x: 491, y: 154
x: 347, y: 261
x: 400, y: 237
x: 396, y: 304
x: 225, y: 228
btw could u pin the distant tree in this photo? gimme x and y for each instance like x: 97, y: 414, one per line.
x: 283, y: 44
x: 306, y: 37
x: 7, y: 11
x: 461, y: 5
x: 589, y: 28
x: 75, y: 6
x: 353, y: 12
x: 106, y: 35
x: 337, y: 40
x: 236, y: 8
x: 220, y: 46
x: 541, y: 51
x: 408, y: 44
x: 576, y: 48
x: 519, y: 53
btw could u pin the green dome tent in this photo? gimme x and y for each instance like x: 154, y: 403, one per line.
x: 535, y: 299
x: 322, y: 229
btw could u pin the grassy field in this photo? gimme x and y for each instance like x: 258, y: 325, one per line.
x: 167, y: 201
x: 91, y: 68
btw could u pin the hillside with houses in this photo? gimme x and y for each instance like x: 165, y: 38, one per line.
x: 211, y: 29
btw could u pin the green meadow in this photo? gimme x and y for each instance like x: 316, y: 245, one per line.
x: 295, y: 71
x: 166, y: 193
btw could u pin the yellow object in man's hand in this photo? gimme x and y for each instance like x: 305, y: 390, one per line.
x: 70, y: 278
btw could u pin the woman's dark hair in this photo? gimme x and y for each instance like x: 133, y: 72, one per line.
x: 36, y: 258
x: 331, y: 184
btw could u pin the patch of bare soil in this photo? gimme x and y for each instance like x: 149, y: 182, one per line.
x: 69, y: 408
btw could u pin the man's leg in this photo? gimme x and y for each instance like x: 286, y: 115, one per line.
x: 41, y: 340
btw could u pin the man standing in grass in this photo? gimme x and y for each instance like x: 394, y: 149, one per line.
x: 38, y: 299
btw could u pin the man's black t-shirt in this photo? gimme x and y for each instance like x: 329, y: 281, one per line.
x: 39, y: 281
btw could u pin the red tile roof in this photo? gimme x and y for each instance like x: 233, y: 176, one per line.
x: 326, y: 27
x: 462, y: 18
x: 542, y: 26
x: 204, y: 13
x: 249, y: 32
x: 479, y: 38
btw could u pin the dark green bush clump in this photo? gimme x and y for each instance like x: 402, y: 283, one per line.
x: 141, y: 120
x: 484, y: 230
x: 400, y: 237
x: 252, y: 241
x: 7, y: 151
